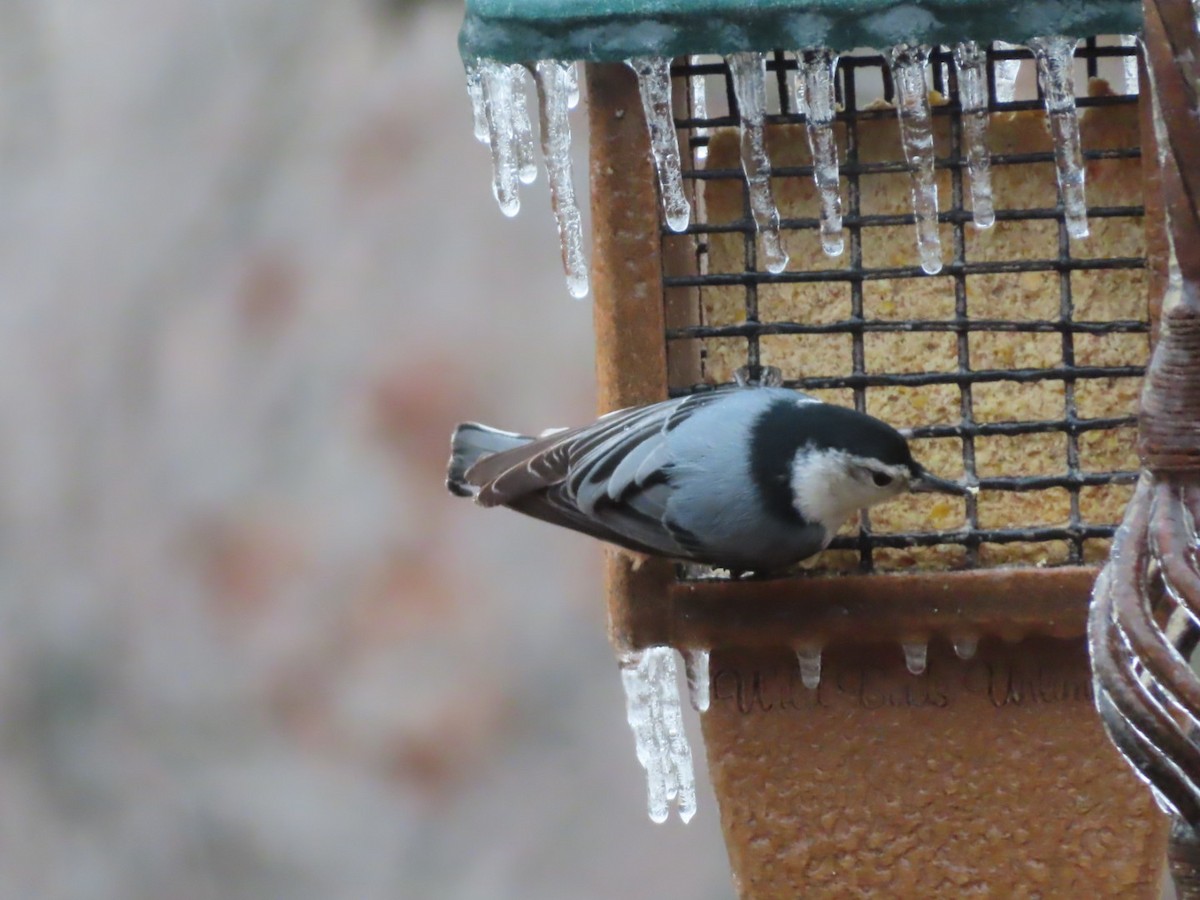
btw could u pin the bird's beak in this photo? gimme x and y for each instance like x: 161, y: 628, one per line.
x: 925, y: 482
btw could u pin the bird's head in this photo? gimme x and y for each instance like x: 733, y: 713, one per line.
x: 840, y: 460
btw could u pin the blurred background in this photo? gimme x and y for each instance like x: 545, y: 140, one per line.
x: 251, y: 274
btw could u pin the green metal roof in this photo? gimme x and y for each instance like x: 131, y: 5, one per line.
x: 613, y: 30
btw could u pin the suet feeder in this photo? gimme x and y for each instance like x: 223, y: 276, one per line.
x: 932, y: 212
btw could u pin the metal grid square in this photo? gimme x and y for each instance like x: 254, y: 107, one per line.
x: 853, y: 71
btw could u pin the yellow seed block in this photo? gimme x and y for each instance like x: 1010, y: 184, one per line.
x: 1027, y: 454
x: 1015, y: 296
x: 1098, y: 398
x: 1045, y: 553
x: 940, y: 557
x: 1010, y: 401
x: 1112, y: 450
x: 910, y: 351
x: 909, y: 407
x: 920, y: 512
x: 1107, y: 295
x: 1111, y: 349
x: 1011, y: 350
x: 1104, y: 504
x: 1020, y: 509
x: 894, y: 299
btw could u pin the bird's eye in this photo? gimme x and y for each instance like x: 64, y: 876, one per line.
x: 881, y: 479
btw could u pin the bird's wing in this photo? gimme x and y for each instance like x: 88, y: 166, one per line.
x: 608, y: 479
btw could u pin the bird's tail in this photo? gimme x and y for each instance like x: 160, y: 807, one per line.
x: 470, y: 443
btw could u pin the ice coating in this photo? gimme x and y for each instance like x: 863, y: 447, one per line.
x: 816, y: 98
x: 497, y: 84
x: 1006, y: 72
x: 915, y: 655
x: 749, y: 75
x: 554, y: 91
x: 522, y: 127
x: 475, y: 92
x: 654, y: 85
x: 809, y: 659
x: 970, y: 62
x: 965, y: 646
x: 696, y: 666
x: 916, y: 135
x: 1055, y: 56
x: 653, y: 710
x: 1129, y: 64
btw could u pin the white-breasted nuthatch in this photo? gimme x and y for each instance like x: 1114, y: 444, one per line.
x: 744, y: 478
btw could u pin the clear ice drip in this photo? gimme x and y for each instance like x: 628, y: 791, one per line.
x: 1006, y: 71
x: 1055, y: 56
x: 698, y: 97
x: 526, y: 158
x: 498, y: 100
x: 916, y: 135
x: 554, y: 92
x: 1129, y: 64
x: 654, y: 84
x: 475, y: 92
x: 965, y: 646
x: 915, y: 656
x: 572, y: 85
x: 816, y: 97
x: 749, y: 74
x: 810, y: 666
x: 695, y: 663
x: 652, y: 708
x: 970, y: 61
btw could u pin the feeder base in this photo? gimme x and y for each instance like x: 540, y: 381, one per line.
x: 988, y: 777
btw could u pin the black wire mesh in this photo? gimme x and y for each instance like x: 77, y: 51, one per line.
x: 856, y: 272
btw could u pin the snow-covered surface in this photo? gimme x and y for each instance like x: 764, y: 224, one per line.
x: 250, y: 647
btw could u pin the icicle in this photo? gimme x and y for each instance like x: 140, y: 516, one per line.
x: 1006, y: 72
x: 1055, y: 57
x: 572, y: 85
x: 526, y: 159
x: 749, y: 74
x: 916, y: 134
x: 1129, y: 64
x: 654, y: 84
x: 696, y: 665
x: 965, y: 646
x: 553, y: 86
x: 498, y: 107
x: 816, y: 97
x: 971, y: 64
x: 810, y: 666
x: 914, y: 656
x: 698, y: 95
x: 475, y: 91
x: 653, y: 710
